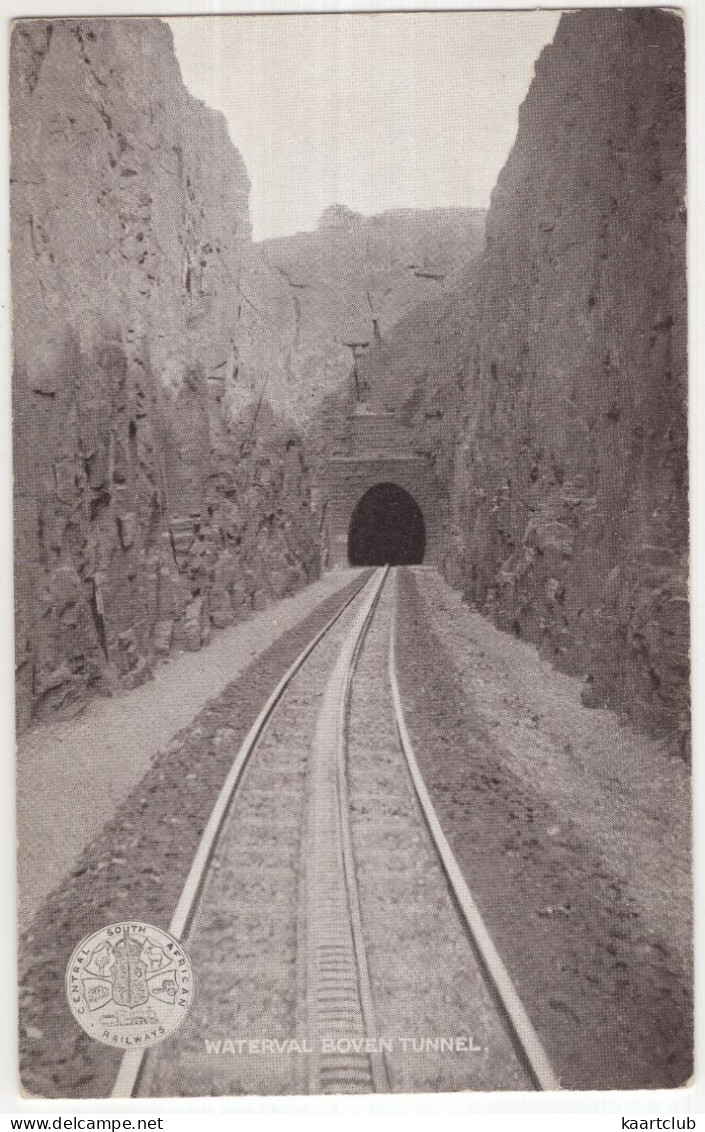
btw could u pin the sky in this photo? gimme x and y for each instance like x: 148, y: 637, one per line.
x: 404, y: 110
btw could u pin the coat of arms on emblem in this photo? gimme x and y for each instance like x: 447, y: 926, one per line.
x: 132, y: 976
x: 129, y: 982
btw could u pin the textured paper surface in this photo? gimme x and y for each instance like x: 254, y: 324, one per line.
x: 355, y: 308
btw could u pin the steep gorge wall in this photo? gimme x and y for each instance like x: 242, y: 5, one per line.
x: 569, y: 467
x: 157, y: 494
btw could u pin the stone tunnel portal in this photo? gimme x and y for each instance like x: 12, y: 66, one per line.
x: 386, y: 527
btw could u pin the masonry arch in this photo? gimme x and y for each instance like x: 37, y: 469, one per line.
x: 386, y: 528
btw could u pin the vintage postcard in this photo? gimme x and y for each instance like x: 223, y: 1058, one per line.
x: 351, y: 553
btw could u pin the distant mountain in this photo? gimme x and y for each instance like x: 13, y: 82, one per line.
x: 356, y: 277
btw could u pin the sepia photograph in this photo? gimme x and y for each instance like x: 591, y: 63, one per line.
x: 351, y: 553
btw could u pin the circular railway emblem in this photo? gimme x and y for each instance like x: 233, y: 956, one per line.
x: 129, y: 984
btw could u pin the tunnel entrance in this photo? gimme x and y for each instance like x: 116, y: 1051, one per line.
x: 387, y: 527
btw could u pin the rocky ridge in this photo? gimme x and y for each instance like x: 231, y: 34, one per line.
x: 558, y: 416
x: 356, y: 277
x: 157, y: 494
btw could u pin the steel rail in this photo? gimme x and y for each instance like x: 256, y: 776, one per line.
x: 525, y: 1037
x: 131, y: 1066
x: 380, y: 1076
x: 336, y: 982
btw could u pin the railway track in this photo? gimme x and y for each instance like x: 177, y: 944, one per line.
x: 324, y: 897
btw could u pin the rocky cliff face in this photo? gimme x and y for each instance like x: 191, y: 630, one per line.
x: 356, y: 277
x: 568, y: 471
x: 156, y: 493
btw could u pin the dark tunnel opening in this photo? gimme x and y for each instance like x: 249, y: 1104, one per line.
x: 387, y: 527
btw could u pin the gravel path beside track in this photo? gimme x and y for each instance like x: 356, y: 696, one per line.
x: 108, y: 749
x: 572, y: 832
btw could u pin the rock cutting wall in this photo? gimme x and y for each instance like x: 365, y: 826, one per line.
x: 568, y: 472
x: 157, y: 495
